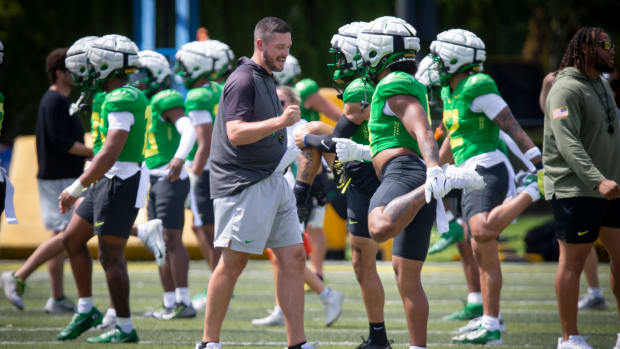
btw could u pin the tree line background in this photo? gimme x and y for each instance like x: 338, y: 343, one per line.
x: 532, y: 32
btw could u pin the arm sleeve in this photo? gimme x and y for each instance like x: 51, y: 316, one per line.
x: 57, y: 125
x: 200, y: 117
x: 514, y: 148
x: 345, y: 128
x: 238, y: 99
x: 490, y: 104
x: 566, y: 126
x: 120, y: 120
x: 188, y: 137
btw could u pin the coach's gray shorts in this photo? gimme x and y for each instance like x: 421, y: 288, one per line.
x: 263, y: 215
x: 49, y: 191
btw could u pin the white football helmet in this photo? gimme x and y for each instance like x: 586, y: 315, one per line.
x: 1, y: 52
x: 77, y: 60
x: 387, y: 40
x: 223, y: 58
x: 156, y: 63
x: 458, y: 50
x: 112, y: 53
x: 344, y: 45
x: 427, y: 73
x: 291, y: 70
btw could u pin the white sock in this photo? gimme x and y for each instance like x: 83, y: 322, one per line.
x: 182, y: 295
x: 414, y: 347
x: 618, y: 341
x: 213, y: 346
x: 490, y: 322
x: 474, y: 298
x: 141, y: 231
x: 84, y: 304
x: 277, y: 309
x: 324, y: 294
x: 595, y: 291
x: 111, y: 312
x: 124, y: 323
x: 169, y: 299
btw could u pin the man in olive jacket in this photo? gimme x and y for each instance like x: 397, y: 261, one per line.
x: 581, y: 158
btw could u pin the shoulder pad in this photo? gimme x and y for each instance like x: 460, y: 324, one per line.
x: 478, y: 85
x: 305, y: 88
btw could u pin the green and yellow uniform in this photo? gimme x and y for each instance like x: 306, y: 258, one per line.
x: 162, y: 136
x: 127, y: 99
x: 471, y: 133
x: 306, y: 88
x: 356, y: 92
x: 95, y: 120
x: 387, y: 131
x: 207, y: 98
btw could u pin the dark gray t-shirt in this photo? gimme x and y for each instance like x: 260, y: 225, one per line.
x: 249, y: 95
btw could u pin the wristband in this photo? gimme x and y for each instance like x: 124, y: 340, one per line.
x: 75, y: 189
x: 532, y: 153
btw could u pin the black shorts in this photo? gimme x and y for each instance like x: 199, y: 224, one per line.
x: 201, y: 202
x: 453, y: 202
x: 2, y: 195
x: 477, y: 201
x: 109, y: 205
x: 401, y: 175
x: 167, y: 201
x: 364, y: 183
x: 578, y: 220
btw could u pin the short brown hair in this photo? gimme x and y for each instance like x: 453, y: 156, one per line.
x: 54, y: 61
x: 267, y: 26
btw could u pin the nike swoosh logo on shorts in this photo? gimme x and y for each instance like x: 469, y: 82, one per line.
x: 582, y: 232
x: 98, y: 224
x: 352, y: 222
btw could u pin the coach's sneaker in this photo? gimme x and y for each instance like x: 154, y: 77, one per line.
x: 480, y: 336
x: 474, y: 324
x: 180, y: 311
x: 80, y: 323
x: 109, y: 320
x: 469, y: 311
x: 13, y: 289
x: 592, y: 301
x: 453, y: 235
x: 308, y: 345
x: 573, y: 342
x: 199, y: 301
x: 115, y: 335
x: 333, y: 305
x: 153, y: 239
x: 63, y: 305
x: 368, y: 344
x: 210, y: 345
x: 275, y: 318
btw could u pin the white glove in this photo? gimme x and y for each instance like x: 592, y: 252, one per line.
x: 436, y: 184
x: 461, y: 178
x: 347, y: 150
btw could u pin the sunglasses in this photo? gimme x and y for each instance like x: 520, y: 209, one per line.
x: 607, y: 45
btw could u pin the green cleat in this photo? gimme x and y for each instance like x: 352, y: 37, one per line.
x: 115, y: 336
x: 453, y: 235
x: 469, y: 311
x: 80, y: 323
x: 479, y: 336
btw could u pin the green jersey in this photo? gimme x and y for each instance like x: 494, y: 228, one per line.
x: 95, y: 120
x: 1, y: 109
x: 207, y: 98
x: 356, y: 92
x: 471, y: 133
x: 162, y: 139
x: 306, y: 88
x: 387, y: 131
x: 127, y: 99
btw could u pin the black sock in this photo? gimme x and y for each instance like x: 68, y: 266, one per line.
x: 297, y: 346
x: 377, y: 333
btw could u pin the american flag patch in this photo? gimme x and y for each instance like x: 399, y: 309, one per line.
x: 559, y: 113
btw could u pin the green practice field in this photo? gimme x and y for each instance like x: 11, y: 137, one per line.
x: 528, y: 306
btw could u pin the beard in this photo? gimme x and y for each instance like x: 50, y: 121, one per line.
x: 602, y: 66
x: 272, y: 62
